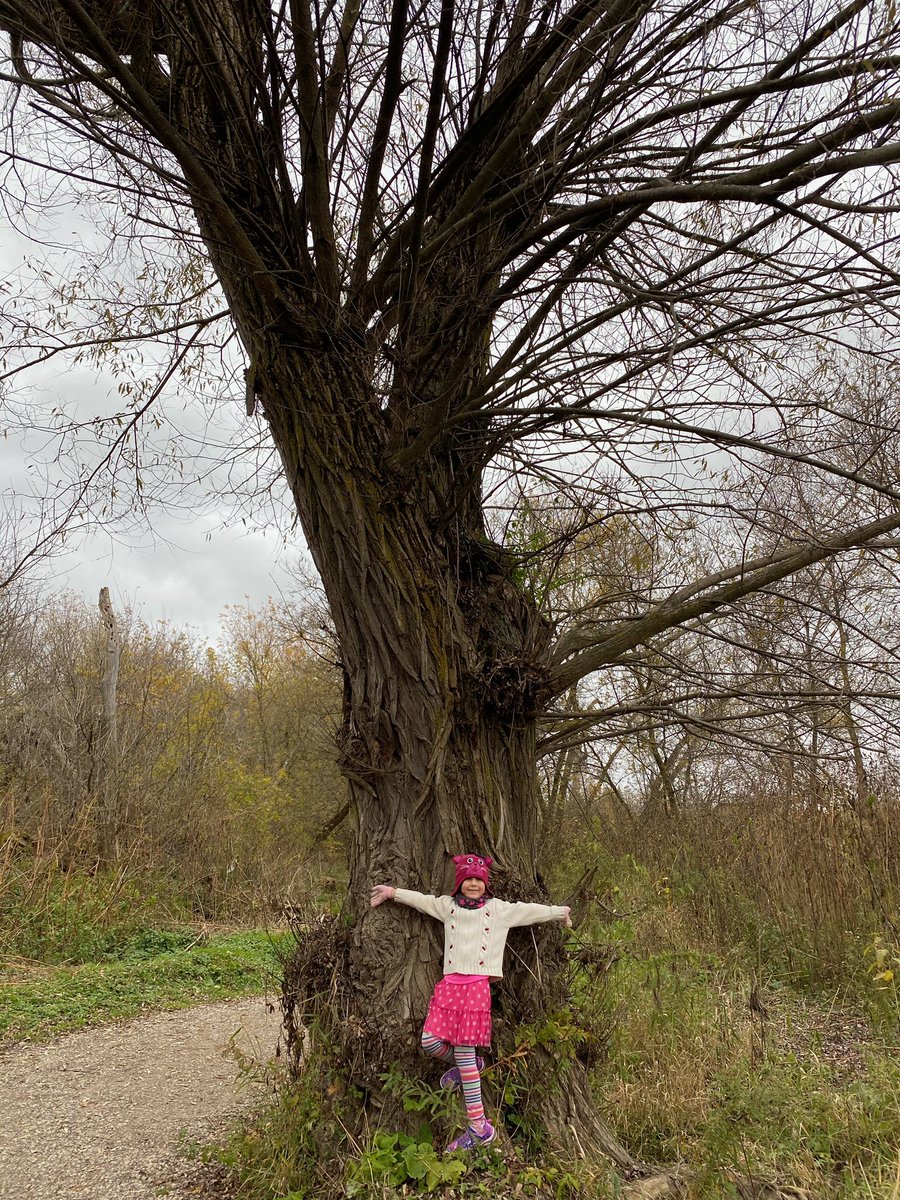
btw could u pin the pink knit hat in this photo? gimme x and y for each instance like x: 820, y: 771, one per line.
x: 472, y: 866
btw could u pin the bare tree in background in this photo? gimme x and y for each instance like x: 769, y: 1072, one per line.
x: 470, y: 249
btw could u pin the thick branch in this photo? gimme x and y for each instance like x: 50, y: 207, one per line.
x: 584, y: 653
x: 315, y: 194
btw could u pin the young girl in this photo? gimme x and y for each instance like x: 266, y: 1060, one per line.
x: 459, y: 1015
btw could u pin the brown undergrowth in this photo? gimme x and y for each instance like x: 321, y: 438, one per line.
x: 803, y: 880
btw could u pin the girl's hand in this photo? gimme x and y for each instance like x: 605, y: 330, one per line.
x: 380, y: 893
x: 567, y: 919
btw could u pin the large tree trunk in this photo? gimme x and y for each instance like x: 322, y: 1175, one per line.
x: 444, y: 663
x: 442, y: 660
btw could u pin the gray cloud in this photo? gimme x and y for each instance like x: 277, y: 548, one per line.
x: 186, y: 579
x: 202, y: 543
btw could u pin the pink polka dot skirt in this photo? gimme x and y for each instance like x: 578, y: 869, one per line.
x: 460, y: 1013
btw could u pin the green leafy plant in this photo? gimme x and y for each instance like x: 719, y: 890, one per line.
x: 415, y: 1095
x: 394, y: 1159
x: 882, y: 962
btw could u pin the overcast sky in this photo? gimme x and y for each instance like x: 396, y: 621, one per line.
x: 183, y: 563
x: 185, y: 572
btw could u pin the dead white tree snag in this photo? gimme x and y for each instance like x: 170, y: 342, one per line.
x: 109, y: 816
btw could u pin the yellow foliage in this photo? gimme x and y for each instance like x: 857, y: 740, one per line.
x: 254, y: 803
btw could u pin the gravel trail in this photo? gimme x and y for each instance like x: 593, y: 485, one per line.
x: 97, y: 1115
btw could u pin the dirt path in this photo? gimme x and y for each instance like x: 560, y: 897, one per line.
x: 97, y: 1115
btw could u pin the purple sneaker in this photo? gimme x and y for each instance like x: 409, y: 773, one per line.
x: 470, y: 1139
x: 451, y: 1079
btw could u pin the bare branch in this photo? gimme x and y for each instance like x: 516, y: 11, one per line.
x: 582, y: 654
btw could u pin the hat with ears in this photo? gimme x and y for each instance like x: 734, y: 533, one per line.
x: 472, y: 866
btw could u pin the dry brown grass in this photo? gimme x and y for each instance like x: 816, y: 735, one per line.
x: 815, y: 874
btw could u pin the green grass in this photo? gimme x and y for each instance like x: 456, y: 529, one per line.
x: 155, y: 969
x: 65, y: 917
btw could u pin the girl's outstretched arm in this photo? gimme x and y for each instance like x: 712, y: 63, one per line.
x: 534, y: 914
x: 433, y: 906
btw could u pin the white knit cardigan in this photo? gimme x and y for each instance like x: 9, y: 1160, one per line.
x: 474, y: 938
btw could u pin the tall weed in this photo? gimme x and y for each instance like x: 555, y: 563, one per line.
x: 800, y: 883
x: 59, y: 915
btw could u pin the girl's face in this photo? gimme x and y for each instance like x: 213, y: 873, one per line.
x: 472, y: 889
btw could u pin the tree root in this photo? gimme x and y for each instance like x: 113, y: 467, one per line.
x: 682, y: 1184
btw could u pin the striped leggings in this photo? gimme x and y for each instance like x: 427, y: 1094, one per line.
x: 465, y: 1059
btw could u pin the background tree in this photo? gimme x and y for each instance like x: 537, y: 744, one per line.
x: 199, y: 816
x: 586, y: 243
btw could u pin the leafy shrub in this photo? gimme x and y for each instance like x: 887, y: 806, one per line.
x: 399, y: 1158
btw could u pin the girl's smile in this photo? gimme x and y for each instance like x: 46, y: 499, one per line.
x: 472, y: 889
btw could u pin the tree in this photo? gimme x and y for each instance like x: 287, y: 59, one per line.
x: 285, y: 710
x: 110, y: 817
x: 467, y: 247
